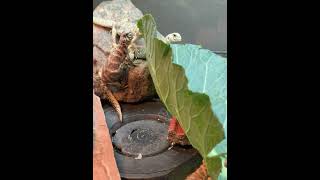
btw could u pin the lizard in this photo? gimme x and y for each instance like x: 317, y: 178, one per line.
x: 112, y: 74
x: 136, y: 49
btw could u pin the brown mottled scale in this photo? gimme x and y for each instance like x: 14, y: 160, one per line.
x: 102, y: 90
x: 139, y: 85
x: 136, y: 80
x: 112, y: 79
x: 111, y: 70
x: 200, y: 174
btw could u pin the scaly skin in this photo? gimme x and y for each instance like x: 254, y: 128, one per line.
x: 200, y: 173
x: 102, y: 90
x: 111, y: 73
x: 135, y: 52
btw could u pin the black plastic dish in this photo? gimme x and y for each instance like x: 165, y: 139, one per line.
x: 163, y: 161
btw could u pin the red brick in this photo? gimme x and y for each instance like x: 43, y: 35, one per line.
x: 104, y: 164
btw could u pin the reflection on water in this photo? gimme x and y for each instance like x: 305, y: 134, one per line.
x: 201, y: 22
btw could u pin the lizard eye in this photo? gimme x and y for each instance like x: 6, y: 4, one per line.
x: 129, y: 35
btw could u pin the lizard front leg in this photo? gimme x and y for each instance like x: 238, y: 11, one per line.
x: 131, y: 51
x: 114, y: 35
x: 137, y: 35
x: 112, y: 71
x: 132, y: 48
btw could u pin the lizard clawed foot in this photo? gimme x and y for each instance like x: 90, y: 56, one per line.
x: 131, y: 56
x: 131, y: 50
x: 137, y: 35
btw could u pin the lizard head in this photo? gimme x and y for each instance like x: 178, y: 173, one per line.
x: 126, y: 37
x: 129, y: 36
x: 174, y: 37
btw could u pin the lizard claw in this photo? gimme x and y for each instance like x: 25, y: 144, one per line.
x: 131, y: 56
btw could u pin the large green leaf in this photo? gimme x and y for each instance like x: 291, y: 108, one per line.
x: 192, y: 85
x: 223, y: 174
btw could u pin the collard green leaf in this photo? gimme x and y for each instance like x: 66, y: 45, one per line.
x: 191, y: 82
x: 223, y: 174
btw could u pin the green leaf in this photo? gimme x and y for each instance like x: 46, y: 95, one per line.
x: 223, y: 174
x: 219, y: 149
x: 191, y: 82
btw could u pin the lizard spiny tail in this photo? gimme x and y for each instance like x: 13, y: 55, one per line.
x: 112, y: 72
x: 101, y: 89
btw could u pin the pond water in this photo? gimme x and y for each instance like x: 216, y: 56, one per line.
x: 202, y: 22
